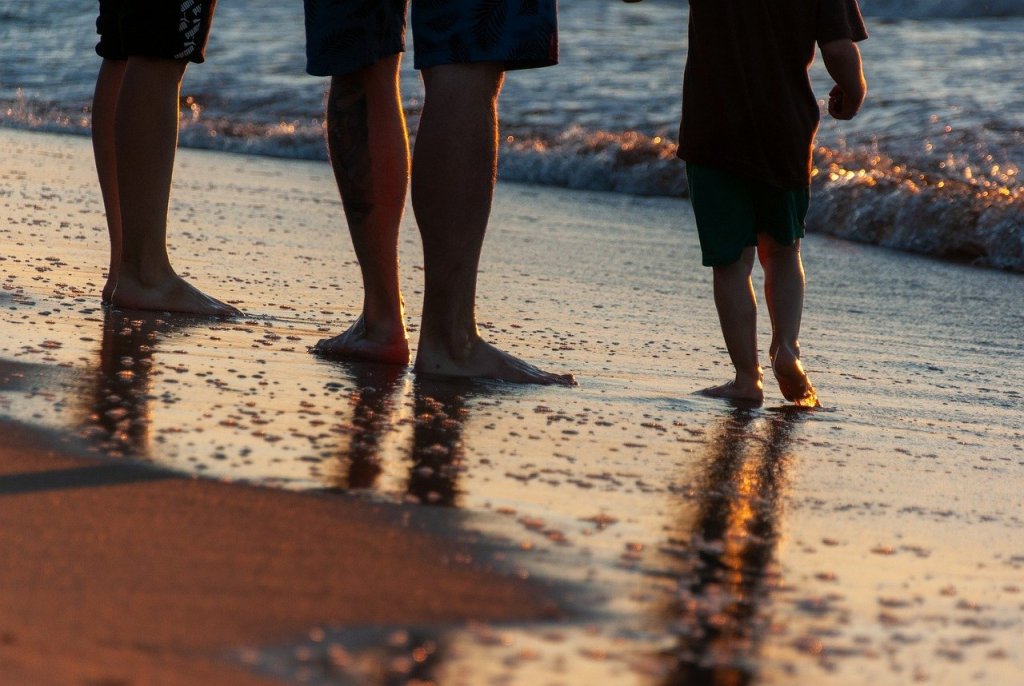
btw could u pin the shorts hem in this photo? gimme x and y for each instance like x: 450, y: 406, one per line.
x: 428, y: 60
x: 344, y: 67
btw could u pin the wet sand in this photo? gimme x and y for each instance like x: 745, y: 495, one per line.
x: 115, y: 573
x: 692, y: 541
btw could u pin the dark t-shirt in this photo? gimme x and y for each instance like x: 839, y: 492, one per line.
x: 748, y: 107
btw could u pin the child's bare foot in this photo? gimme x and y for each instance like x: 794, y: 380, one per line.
x: 792, y: 378
x: 172, y: 294
x: 482, y: 360
x: 357, y: 344
x: 735, y: 390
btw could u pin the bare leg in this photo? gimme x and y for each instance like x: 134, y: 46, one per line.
x: 146, y: 137
x: 737, y: 313
x: 370, y: 156
x: 784, y: 292
x: 104, y: 104
x: 454, y: 168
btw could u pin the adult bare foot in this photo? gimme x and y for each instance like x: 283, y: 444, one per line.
x: 172, y: 294
x: 481, y: 360
x: 732, y: 390
x: 108, y: 291
x: 356, y: 343
x: 793, y: 381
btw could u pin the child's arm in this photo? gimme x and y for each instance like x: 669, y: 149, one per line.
x: 842, y: 59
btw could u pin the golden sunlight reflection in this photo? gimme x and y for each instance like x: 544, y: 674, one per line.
x: 958, y: 178
x: 719, y: 616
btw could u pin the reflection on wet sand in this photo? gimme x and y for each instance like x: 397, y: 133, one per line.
x: 731, y: 570
x: 117, y: 404
x: 373, y: 402
x: 437, y: 450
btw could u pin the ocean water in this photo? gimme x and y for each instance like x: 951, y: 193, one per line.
x: 932, y: 165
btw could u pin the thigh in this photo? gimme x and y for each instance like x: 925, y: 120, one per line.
x: 519, y: 34
x: 724, y: 208
x: 344, y: 36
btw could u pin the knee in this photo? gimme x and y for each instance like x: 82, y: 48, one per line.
x: 770, y: 250
x: 741, y: 267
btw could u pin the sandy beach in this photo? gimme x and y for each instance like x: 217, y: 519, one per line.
x: 189, y: 501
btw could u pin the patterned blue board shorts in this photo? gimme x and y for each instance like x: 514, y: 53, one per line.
x: 343, y: 36
x: 170, y: 29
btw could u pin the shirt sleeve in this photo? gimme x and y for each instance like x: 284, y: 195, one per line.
x: 838, y: 19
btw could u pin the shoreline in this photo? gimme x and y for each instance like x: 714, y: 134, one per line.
x: 858, y: 203
x: 884, y: 524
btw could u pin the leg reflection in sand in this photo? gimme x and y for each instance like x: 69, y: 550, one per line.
x: 118, y: 409
x: 438, y: 450
x: 373, y: 400
x: 436, y: 454
x: 720, y: 616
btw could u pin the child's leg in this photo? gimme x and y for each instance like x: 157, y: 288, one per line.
x: 737, y: 313
x: 784, y: 293
x: 146, y: 137
x: 104, y: 105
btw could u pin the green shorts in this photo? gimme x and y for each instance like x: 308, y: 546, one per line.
x: 732, y: 210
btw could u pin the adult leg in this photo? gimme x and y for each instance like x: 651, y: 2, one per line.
x: 146, y: 137
x: 737, y: 313
x: 369, y: 151
x: 454, y: 170
x: 784, y: 292
x: 104, y: 105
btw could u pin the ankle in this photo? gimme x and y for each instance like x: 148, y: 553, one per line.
x: 750, y: 378
x: 146, y: 275
x: 785, y: 352
x: 455, y: 343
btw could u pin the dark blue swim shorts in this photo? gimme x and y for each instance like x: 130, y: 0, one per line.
x: 343, y: 36
x: 170, y: 29
x: 733, y: 212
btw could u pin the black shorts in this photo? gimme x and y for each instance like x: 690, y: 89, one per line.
x: 343, y: 36
x: 169, y: 29
x: 733, y: 212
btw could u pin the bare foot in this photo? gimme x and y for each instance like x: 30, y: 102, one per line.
x: 357, y: 344
x: 482, y: 360
x: 793, y: 381
x: 108, y: 290
x: 170, y: 295
x: 736, y: 391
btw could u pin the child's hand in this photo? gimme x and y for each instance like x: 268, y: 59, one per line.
x: 842, y: 107
x: 842, y: 59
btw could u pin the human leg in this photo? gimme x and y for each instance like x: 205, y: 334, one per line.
x: 737, y: 314
x: 146, y: 137
x: 784, y: 285
x: 454, y: 168
x: 369, y: 152
x: 724, y: 211
x: 104, y: 105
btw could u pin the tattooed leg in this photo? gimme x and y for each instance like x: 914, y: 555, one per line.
x: 369, y: 151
